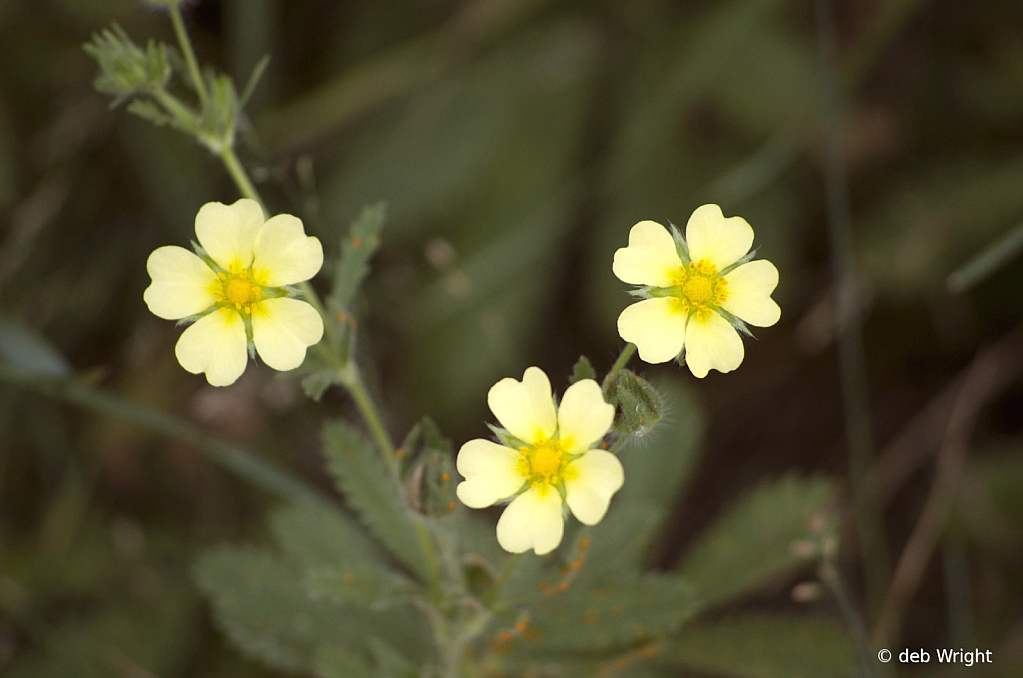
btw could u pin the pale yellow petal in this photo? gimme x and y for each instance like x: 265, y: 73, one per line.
x: 598, y: 475
x: 490, y: 471
x: 717, y: 240
x: 227, y: 232
x: 215, y: 344
x: 656, y: 326
x: 282, y: 329
x: 182, y: 283
x: 749, y: 293
x: 532, y: 521
x: 525, y: 408
x: 712, y: 344
x: 583, y: 416
x: 283, y: 254
x: 650, y: 258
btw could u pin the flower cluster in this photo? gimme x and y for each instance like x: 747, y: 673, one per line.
x: 698, y: 292
x: 235, y: 288
x: 546, y: 460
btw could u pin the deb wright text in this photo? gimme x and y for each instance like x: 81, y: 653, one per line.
x: 946, y: 656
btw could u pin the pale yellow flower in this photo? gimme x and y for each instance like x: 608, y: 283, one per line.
x: 236, y: 291
x: 547, y: 460
x: 696, y: 291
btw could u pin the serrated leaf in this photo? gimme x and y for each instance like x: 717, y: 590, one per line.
x: 752, y: 543
x: 373, y: 492
x: 646, y: 608
x: 314, y: 537
x: 656, y: 468
x: 583, y: 370
x: 356, y: 251
x: 26, y: 350
x: 638, y: 406
x: 765, y: 646
x: 340, y: 662
x: 260, y: 603
x: 364, y: 584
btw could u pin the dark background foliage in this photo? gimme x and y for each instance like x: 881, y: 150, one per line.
x: 515, y: 141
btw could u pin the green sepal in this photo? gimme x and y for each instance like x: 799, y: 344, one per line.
x: 737, y: 323
x: 745, y: 260
x: 583, y: 370
x: 506, y: 438
x: 638, y: 406
x: 681, y: 247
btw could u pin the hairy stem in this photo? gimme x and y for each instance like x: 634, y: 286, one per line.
x: 622, y: 361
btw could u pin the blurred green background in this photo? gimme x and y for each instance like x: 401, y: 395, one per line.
x: 516, y: 142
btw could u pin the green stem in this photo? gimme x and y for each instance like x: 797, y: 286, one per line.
x: 852, y: 363
x: 352, y: 381
x: 186, y: 49
x: 238, y: 461
x: 185, y: 117
x: 623, y: 360
x: 241, y: 177
x: 833, y: 579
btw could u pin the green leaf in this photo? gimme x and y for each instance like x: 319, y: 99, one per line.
x: 583, y: 370
x: 356, y: 251
x: 261, y: 605
x: 27, y: 351
x: 752, y: 543
x: 638, y: 405
x: 656, y: 468
x: 147, y: 110
x: 765, y: 646
x: 648, y: 607
x: 340, y: 662
x: 363, y: 583
x: 263, y: 609
x: 315, y: 537
x: 372, y: 492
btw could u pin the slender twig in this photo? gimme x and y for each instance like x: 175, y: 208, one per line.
x: 855, y: 398
x: 832, y: 577
x: 927, y: 532
x: 189, y: 53
x: 988, y: 261
x: 238, y: 461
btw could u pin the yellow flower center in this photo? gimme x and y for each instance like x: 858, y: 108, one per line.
x: 238, y: 289
x: 698, y: 288
x: 545, y: 463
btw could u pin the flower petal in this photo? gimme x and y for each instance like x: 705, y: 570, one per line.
x: 215, y: 344
x: 226, y: 232
x: 598, y: 476
x: 656, y: 326
x: 749, y: 293
x: 719, y: 241
x: 490, y: 471
x: 181, y: 283
x: 284, y: 254
x: 532, y: 521
x: 525, y: 408
x: 583, y: 416
x: 282, y: 329
x: 650, y: 258
x: 712, y: 343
